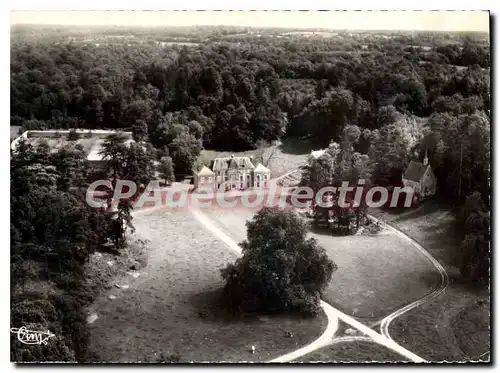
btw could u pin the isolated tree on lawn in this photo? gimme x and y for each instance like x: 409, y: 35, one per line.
x: 280, y: 270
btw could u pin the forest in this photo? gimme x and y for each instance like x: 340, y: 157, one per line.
x: 390, y: 99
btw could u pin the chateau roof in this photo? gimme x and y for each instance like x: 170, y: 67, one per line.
x: 205, y: 171
x: 261, y: 168
x: 415, y: 171
x: 232, y: 162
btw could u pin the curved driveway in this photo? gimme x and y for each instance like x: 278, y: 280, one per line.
x: 385, y: 322
x: 333, y: 314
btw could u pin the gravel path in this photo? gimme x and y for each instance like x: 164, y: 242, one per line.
x: 332, y: 313
x: 172, y: 311
x: 384, y: 325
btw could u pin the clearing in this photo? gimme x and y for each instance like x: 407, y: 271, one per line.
x: 280, y: 158
x: 376, y: 274
x: 456, y: 324
x: 171, y: 312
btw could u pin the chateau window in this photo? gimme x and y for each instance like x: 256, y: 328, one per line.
x: 241, y: 177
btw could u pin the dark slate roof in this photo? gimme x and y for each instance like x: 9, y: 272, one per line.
x: 415, y: 171
x: 235, y: 162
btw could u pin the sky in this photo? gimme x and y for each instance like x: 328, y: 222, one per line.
x: 350, y: 20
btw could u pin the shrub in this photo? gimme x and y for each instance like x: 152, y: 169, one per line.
x: 73, y: 135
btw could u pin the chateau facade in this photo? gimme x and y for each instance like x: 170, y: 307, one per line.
x: 233, y: 173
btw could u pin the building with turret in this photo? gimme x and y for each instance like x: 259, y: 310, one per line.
x: 420, y: 177
x: 233, y: 173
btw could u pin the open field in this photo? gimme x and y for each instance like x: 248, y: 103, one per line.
x: 353, y: 352
x: 451, y: 327
x: 172, y: 312
x: 455, y: 325
x: 376, y: 275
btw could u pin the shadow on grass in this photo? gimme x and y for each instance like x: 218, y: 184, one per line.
x: 323, y: 231
x: 426, y: 207
x: 296, y: 146
x: 407, y: 213
x: 211, y: 307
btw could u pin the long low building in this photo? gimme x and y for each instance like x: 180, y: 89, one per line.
x: 90, y: 140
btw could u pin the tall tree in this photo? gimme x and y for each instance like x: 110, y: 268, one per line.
x: 114, y: 150
x: 184, y: 150
x: 281, y: 269
x: 166, y: 169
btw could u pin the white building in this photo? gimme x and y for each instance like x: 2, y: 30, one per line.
x: 233, y: 173
x: 90, y: 140
x: 315, y: 154
x: 420, y: 177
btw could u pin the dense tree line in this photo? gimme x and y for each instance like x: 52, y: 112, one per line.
x: 53, y: 232
x: 236, y: 94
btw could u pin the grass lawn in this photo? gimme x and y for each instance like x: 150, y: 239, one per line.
x: 376, y: 275
x: 353, y: 352
x: 455, y: 325
x: 286, y: 156
x: 171, y: 312
x: 103, y: 267
x: 280, y: 158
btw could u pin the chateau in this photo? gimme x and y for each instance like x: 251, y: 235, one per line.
x: 233, y: 173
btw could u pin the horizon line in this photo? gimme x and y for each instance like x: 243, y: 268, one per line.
x: 319, y: 29
x: 373, y: 20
